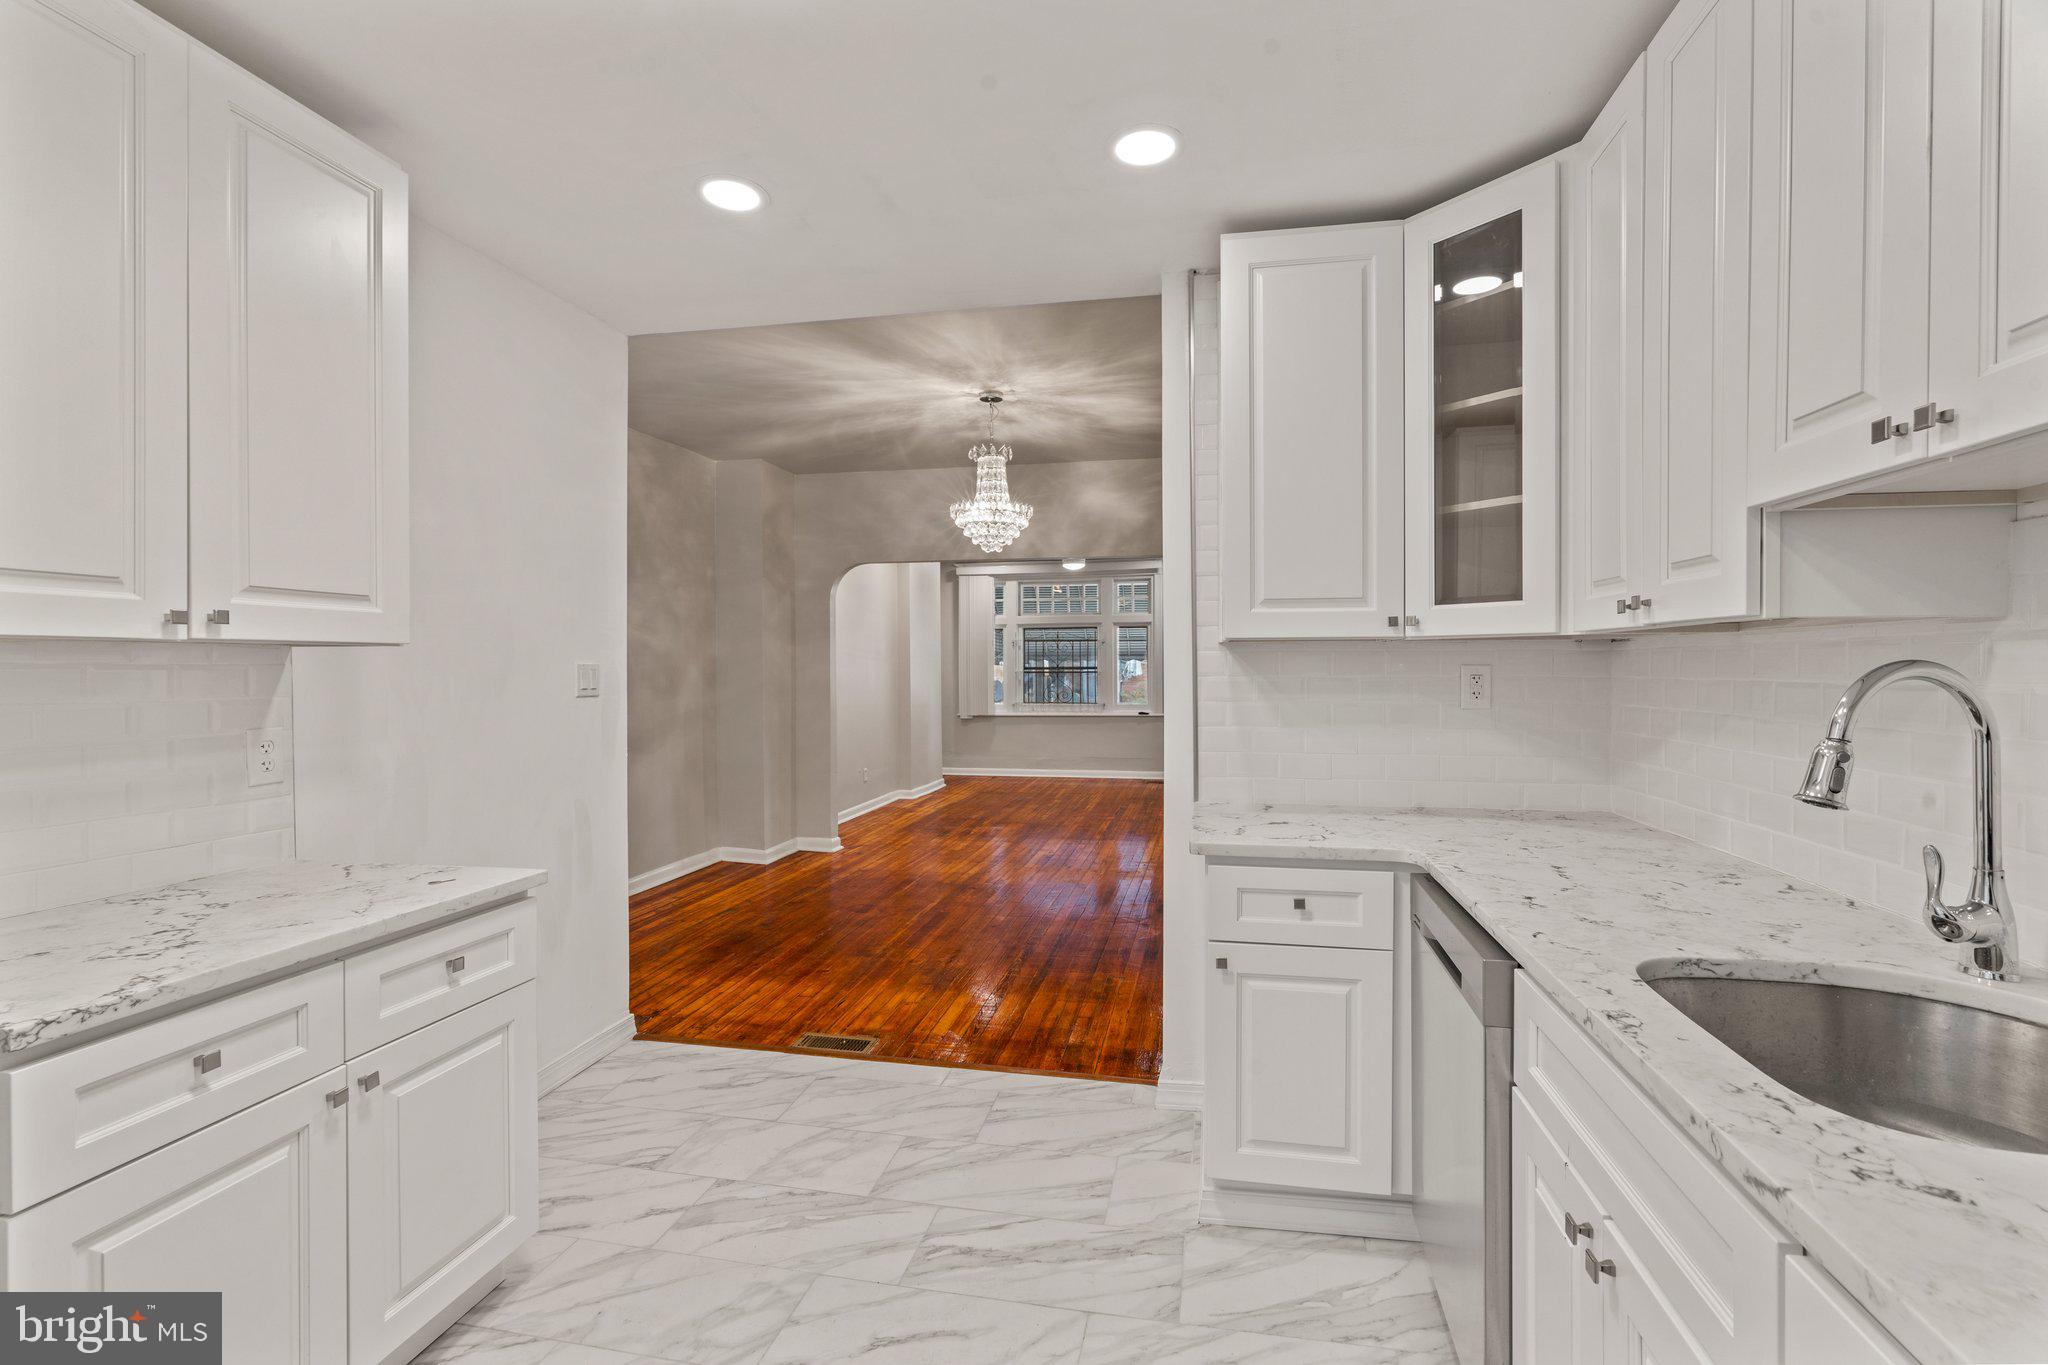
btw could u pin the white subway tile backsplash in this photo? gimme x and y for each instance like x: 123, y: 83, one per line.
x: 124, y: 766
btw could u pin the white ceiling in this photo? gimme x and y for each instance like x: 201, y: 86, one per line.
x: 920, y: 154
x: 1080, y: 381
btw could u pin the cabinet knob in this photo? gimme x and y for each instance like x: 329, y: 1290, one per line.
x: 1411, y: 620
x: 1621, y: 606
x: 457, y: 963
x: 1880, y: 430
x: 207, y: 1061
x: 1901, y: 429
x: 1595, y: 1267
x: 370, y: 1082
x: 1927, y: 415
x: 337, y: 1098
x: 177, y: 616
x: 1301, y: 902
x: 1574, y: 1229
x: 217, y: 617
x: 1394, y: 622
x: 1223, y: 964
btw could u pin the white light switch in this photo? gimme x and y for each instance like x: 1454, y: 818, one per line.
x: 586, y: 680
x: 1475, y: 687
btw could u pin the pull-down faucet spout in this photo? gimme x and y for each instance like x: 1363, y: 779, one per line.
x: 1983, y: 925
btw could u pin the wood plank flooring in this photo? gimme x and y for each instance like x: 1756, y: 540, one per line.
x: 999, y: 922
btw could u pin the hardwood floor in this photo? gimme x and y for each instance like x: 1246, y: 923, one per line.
x: 999, y: 922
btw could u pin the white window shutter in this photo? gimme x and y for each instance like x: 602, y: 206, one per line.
x: 975, y: 636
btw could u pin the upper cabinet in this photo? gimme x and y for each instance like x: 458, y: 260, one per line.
x: 203, y: 363
x: 92, y: 319
x: 1311, y: 540
x: 1482, y: 410
x: 1901, y: 229
x: 298, y: 354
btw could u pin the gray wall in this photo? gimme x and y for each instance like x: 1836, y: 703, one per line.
x: 1086, y: 744
x: 885, y: 682
x: 669, y: 714
x: 751, y: 634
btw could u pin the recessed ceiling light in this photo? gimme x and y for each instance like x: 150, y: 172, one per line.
x: 1476, y: 284
x: 734, y: 196
x: 1073, y: 563
x: 1147, y: 146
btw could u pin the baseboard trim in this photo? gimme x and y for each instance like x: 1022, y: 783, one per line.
x: 1347, y: 1215
x: 590, y: 1050
x: 888, y: 798
x: 1055, y: 772
x: 1178, y: 1095
x: 683, y: 867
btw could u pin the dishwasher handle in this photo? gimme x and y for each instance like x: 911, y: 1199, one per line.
x: 1457, y: 977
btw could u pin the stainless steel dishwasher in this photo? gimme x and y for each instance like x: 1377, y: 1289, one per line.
x: 1463, y: 1044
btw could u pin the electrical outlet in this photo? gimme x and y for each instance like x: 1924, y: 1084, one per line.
x: 863, y: 777
x: 269, y: 750
x: 1475, y: 687
x: 586, y: 680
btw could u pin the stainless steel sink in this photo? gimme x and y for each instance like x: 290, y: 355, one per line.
x: 1921, y: 1066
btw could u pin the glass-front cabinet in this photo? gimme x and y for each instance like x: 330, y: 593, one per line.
x: 1482, y: 347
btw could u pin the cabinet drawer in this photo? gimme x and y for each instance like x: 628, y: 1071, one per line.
x: 72, y: 1116
x: 1711, y: 1254
x: 408, y: 984
x: 1313, y: 907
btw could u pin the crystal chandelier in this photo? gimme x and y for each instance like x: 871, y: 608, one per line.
x: 990, y: 518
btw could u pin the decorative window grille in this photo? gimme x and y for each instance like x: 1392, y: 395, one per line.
x: 1060, y: 665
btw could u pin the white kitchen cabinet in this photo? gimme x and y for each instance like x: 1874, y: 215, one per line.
x: 1639, y: 1326
x: 1311, y: 460
x: 1300, y: 1062
x: 1838, y: 327
x: 1989, y: 240
x: 92, y: 319
x: 441, y: 1171
x: 1558, y: 1316
x: 1605, y: 534
x: 1824, y: 1326
x: 1701, y: 551
x: 1482, y: 332
x: 254, y: 1207
x: 298, y: 372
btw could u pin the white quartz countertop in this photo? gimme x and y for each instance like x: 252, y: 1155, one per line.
x: 76, y: 969
x: 1945, y: 1244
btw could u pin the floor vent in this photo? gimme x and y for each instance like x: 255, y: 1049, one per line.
x: 837, y: 1042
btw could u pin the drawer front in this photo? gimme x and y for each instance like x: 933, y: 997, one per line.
x: 1311, y: 907
x: 75, y: 1115
x: 1712, y: 1254
x: 409, y: 984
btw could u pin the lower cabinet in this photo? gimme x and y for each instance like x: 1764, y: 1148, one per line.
x: 254, y: 1206
x: 1301, y: 1067
x: 441, y: 1171
x: 1558, y: 1314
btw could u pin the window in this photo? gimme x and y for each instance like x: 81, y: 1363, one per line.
x: 996, y: 684
x: 1060, y: 664
x: 1134, y: 597
x: 999, y: 600
x: 1133, y: 665
x: 1059, y: 599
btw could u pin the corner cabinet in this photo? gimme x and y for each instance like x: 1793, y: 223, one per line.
x: 1311, y: 535
x: 203, y: 369
x: 1482, y: 329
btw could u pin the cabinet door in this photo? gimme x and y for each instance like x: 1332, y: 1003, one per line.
x: 1838, y: 321
x: 1704, y: 546
x: 1311, y: 416
x: 298, y: 353
x: 1558, y: 1314
x: 442, y: 1170
x: 1639, y: 1327
x: 1604, y: 398
x: 254, y: 1207
x: 92, y: 320
x: 1990, y: 234
x: 1823, y: 1326
x: 1483, y: 342
x: 1301, y: 1067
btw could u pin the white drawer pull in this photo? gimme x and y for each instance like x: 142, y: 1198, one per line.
x: 457, y: 963
x: 207, y: 1061
x: 369, y: 1082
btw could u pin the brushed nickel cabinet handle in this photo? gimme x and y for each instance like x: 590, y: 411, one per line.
x: 370, y: 1082
x: 457, y: 963
x: 177, y: 616
x: 1223, y: 964
x: 1595, y: 1267
x: 1574, y: 1229
x: 337, y: 1098
x: 207, y: 1061
x: 217, y: 617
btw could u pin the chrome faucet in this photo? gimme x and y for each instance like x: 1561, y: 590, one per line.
x: 1983, y: 924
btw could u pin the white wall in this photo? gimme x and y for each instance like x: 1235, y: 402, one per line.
x: 125, y: 766
x: 468, y: 744
x: 885, y: 683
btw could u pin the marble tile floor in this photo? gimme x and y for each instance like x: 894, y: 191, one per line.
x: 716, y: 1206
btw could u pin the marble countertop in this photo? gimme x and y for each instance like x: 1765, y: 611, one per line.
x: 1945, y: 1244
x: 74, y: 970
